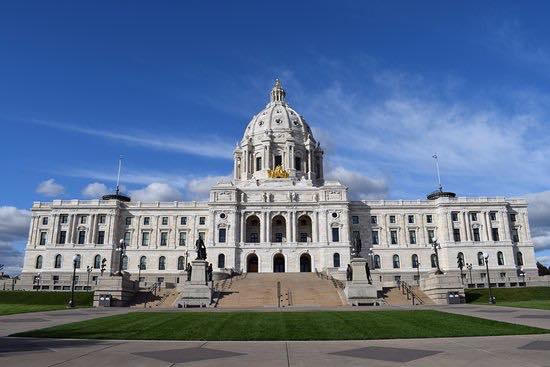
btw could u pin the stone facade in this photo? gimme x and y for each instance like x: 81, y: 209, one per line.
x: 278, y: 213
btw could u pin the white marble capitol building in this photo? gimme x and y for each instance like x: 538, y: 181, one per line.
x: 278, y: 214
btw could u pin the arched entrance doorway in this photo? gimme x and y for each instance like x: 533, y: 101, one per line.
x: 305, y: 263
x: 252, y: 229
x: 278, y: 263
x: 304, y: 228
x: 252, y: 263
x: 278, y: 229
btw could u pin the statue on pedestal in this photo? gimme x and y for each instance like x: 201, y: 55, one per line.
x: 367, y: 268
x: 356, y: 246
x: 188, y: 269
x: 349, y: 273
x: 201, y: 249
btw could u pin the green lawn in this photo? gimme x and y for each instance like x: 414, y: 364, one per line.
x: 12, y: 302
x: 329, y: 325
x: 527, y: 297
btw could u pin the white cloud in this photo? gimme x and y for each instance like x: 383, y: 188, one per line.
x: 50, y: 188
x: 156, y: 191
x: 360, y: 186
x: 539, y: 218
x: 14, y: 228
x: 95, y: 190
x: 198, y: 188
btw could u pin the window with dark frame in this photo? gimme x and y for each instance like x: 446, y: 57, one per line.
x: 456, y: 234
x: 183, y: 221
x: 62, y: 237
x: 163, y: 238
x: 164, y: 221
x: 429, y: 218
x: 375, y: 239
x: 202, y: 221
x: 81, y: 237
x: 393, y: 237
x: 495, y: 235
x: 100, y: 237
x: 221, y: 235
x: 335, y: 234
x: 476, y: 235
x: 146, y: 221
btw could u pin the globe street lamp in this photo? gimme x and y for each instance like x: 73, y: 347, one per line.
x: 470, y: 266
x: 120, y: 250
x: 460, y: 262
x: 88, y: 270
x: 71, y: 302
x: 491, y: 298
x: 418, y: 272
x: 436, y: 246
x: 38, y: 275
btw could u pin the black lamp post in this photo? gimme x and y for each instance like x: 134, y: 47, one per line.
x: 38, y: 281
x: 139, y: 272
x: 460, y: 263
x: 470, y: 266
x: 88, y: 270
x: 491, y: 298
x: 418, y: 272
x: 71, y: 302
x: 120, y: 249
x: 436, y: 246
x: 522, y: 275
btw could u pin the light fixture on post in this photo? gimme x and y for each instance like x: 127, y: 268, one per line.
x: 38, y: 275
x: 469, y: 267
x: 71, y: 302
x: 436, y: 246
x: 418, y: 272
x: 120, y: 250
x: 491, y: 298
x: 460, y: 263
x: 88, y: 270
x: 522, y: 275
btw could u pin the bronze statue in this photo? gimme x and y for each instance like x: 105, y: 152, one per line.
x: 349, y: 273
x: 188, y: 268
x: 209, y: 272
x: 367, y: 268
x: 201, y: 249
x: 356, y: 246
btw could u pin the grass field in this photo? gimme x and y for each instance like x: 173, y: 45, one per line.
x: 528, y: 297
x: 282, y: 326
x: 12, y: 302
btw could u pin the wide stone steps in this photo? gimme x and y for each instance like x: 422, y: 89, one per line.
x: 253, y: 290
x: 395, y: 297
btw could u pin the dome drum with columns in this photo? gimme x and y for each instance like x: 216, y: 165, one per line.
x: 278, y: 143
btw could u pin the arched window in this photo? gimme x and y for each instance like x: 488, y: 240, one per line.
x: 162, y: 263
x: 124, y: 262
x: 460, y: 259
x: 221, y: 261
x: 396, y: 264
x: 143, y: 263
x: 414, y: 261
x: 38, y: 263
x: 376, y: 261
x: 500, y: 258
x: 77, y: 261
x: 181, y: 263
x: 97, y: 261
x: 519, y: 259
x: 433, y: 261
x: 480, y: 259
x: 336, y: 260
x: 57, y: 263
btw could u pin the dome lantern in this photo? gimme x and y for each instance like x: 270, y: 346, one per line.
x: 278, y: 93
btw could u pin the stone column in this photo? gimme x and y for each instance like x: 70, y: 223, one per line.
x: 309, y: 163
x: 505, y: 225
x: 242, y: 235
x: 315, y: 227
x: 91, y: 227
x: 53, y: 238
x: 449, y: 225
x: 262, y: 227
x: 487, y: 229
x: 466, y: 225
x: 288, y: 226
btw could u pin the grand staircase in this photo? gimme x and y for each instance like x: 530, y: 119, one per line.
x: 252, y: 290
x: 396, y: 297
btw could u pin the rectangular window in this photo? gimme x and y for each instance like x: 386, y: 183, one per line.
x: 101, y: 219
x: 221, y: 235
x: 513, y: 217
x: 494, y: 232
x: 393, y: 237
x: 354, y: 219
x: 100, y: 237
x: 128, y: 221
x: 493, y: 215
x: 202, y: 235
x: 83, y: 219
x: 298, y: 163
x: 62, y: 237
x: 411, y: 219
x: 55, y: 279
x: 43, y: 238
x: 163, y: 238
x: 454, y: 216
x: 127, y: 238
x: 183, y: 238
x: 431, y: 236
x: 375, y: 240
x: 429, y: 218
x: 474, y: 217
x: 392, y: 219
x: 456, y: 234
x: 373, y: 219
x: 278, y: 160
x: 476, y: 235
x: 63, y: 218
x: 183, y: 221
x: 412, y: 237
x: 81, y: 237
x: 515, y: 235
x: 336, y: 234
x: 202, y: 221
x: 258, y: 163
x: 145, y: 236
x: 146, y: 221
x: 45, y: 221
x: 164, y: 221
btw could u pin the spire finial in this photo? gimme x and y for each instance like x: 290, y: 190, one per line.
x: 278, y: 93
x: 440, y: 187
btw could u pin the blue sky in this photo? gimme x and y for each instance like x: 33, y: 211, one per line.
x: 172, y: 86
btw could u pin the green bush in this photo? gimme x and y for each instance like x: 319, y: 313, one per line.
x: 508, y: 294
x: 45, y: 298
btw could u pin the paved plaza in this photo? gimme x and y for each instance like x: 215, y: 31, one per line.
x: 528, y: 350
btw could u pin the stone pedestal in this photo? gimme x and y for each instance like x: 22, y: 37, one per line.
x: 439, y: 286
x: 197, y: 291
x: 119, y: 288
x: 358, y: 290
